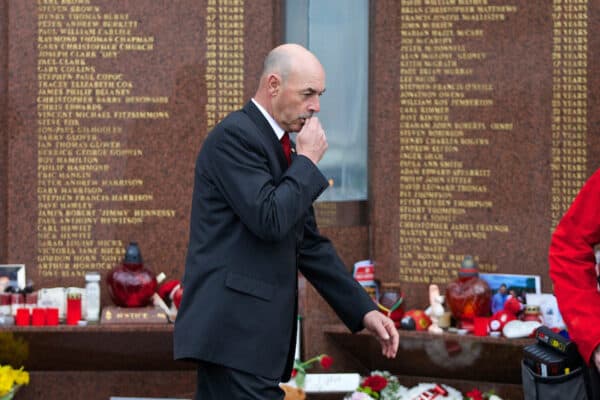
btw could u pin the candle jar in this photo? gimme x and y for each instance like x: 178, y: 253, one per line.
x: 131, y: 284
x: 5, y: 308
x: 31, y: 300
x: 52, y: 316
x: 533, y: 313
x: 38, y: 316
x: 23, y: 316
x: 468, y: 296
x: 17, y: 300
x: 73, y: 308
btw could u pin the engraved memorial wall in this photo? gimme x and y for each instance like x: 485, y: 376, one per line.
x: 483, y: 124
x: 104, y: 105
x: 494, y: 130
x: 107, y: 104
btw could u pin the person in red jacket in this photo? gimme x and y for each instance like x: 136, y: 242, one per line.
x: 573, y: 272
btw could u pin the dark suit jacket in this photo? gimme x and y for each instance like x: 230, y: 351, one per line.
x: 252, y: 227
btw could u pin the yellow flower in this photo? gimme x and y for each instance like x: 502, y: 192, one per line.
x: 10, y: 378
x: 21, y: 377
x: 6, y: 383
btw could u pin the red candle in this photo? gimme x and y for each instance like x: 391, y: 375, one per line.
x: 17, y: 300
x: 481, y: 326
x: 5, y: 304
x: 38, y: 316
x: 22, y: 316
x: 52, y: 316
x: 73, y: 308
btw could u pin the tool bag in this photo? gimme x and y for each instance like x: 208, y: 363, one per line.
x: 552, y: 369
x: 571, y: 386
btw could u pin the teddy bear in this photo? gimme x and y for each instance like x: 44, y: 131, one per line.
x: 293, y: 393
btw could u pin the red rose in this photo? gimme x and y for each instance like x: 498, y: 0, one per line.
x: 475, y: 395
x: 326, y: 361
x: 375, y: 382
x: 294, y: 372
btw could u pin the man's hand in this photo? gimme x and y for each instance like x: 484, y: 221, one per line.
x: 311, y: 141
x: 596, y: 358
x: 384, y: 330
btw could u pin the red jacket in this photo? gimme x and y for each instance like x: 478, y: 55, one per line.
x: 572, y: 267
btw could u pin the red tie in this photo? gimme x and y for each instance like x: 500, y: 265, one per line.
x: 287, y: 148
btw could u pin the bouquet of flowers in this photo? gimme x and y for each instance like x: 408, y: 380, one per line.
x: 476, y: 394
x: 379, y: 385
x: 10, y: 381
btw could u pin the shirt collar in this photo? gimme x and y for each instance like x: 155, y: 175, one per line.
x: 276, y: 128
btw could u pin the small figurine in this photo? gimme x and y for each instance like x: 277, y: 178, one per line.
x: 293, y: 393
x: 436, y: 309
x: 415, y: 320
x: 510, y: 312
x: 499, y: 320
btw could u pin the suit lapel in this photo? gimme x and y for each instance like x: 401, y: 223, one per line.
x: 263, y: 126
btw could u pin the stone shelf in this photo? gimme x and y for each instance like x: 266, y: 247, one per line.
x: 99, y: 347
x: 463, y: 361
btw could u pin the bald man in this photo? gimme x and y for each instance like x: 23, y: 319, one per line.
x: 252, y: 228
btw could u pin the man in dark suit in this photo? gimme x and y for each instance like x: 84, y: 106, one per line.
x: 252, y: 228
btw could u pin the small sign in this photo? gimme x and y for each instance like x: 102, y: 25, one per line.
x: 364, y: 271
x: 138, y: 315
x: 323, y: 383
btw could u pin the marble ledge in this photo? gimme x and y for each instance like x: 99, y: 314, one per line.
x: 444, y: 356
x: 96, y: 347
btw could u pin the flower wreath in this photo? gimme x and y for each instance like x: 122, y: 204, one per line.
x: 379, y: 385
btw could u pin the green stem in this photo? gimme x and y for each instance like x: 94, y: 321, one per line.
x: 308, y: 362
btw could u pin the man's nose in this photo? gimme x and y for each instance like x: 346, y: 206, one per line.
x: 315, y: 105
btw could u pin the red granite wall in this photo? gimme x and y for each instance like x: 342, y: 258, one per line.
x: 482, y: 126
x: 154, y: 113
x: 3, y: 127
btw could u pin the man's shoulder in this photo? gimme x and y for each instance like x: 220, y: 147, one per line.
x: 236, y: 121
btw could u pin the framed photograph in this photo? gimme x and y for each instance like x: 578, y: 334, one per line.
x: 520, y: 284
x: 12, y: 275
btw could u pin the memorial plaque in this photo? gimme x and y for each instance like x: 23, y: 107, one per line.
x: 108, y: 103
x: 494, y: 130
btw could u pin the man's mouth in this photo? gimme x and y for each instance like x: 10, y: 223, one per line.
x: 302, y: 118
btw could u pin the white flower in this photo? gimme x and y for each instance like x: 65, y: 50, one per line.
x: 359, y: 396
x: 494, y: 397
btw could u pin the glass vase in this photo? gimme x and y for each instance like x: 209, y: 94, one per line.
x: 10, y: 394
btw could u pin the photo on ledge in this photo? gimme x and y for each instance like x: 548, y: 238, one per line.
x: 521, y: 284
x: 12, y: 275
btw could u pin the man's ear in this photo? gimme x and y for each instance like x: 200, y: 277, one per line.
x: 273, y: 84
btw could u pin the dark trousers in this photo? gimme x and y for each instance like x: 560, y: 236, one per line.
x: 593, y: 383
x: 216, y: 382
